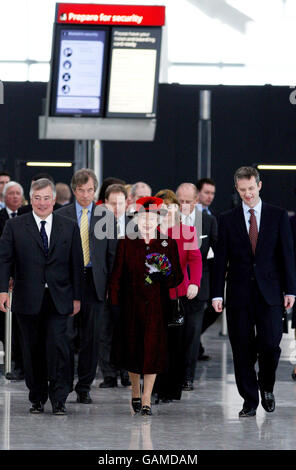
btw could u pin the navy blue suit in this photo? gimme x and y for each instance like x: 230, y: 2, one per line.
x: 256, y: 285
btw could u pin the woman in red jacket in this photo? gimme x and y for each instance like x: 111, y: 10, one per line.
x: 169, y: 385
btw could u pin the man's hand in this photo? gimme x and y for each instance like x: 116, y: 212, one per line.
x: 217, y: 305
x: 4, y: 301
x: 289, y: 301
x: 76, y: 307
x: 192, y: 291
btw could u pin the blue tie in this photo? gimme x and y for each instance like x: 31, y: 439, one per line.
x: 44, y: 237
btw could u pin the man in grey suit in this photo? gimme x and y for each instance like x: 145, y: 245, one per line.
x: 99, y: 247
x: 206, y: 228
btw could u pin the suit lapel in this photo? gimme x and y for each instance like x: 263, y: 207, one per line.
x: 265, y: 224
x: 56, y: 229
x: 241, y: 226
x: 33, y: 229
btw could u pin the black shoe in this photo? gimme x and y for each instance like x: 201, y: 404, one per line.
x: 59, y: 409
x: 188, y: 385
x: 293, y: 375
x: 37, y: 408
x: 16, y: 374
x: 137, y: 404
x: 109, y: 382
x: 204, y: 357
x: 84, y: 397
x: 268, y: 401
x: 247, y: 412
x: 125, y: 381
x: 146, y: 410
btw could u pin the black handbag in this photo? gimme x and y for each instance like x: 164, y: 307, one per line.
x: 176, y: 312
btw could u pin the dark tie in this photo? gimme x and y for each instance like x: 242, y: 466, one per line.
x: 253, y: 232
x: 44, y: 237
x: 13, y: 214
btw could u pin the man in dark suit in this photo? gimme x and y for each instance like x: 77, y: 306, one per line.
x: 44, y: 251
x: 255, y: 249
x: 206, y: 228
x: 98, y: 238
x: 115, y: 201
x: 13, y: 198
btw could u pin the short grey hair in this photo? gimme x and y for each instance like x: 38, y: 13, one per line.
x: 136, y: 185
x: 41, y: 184
x: 82, y: 176
x: 246, y: 172
x: 10, y: 184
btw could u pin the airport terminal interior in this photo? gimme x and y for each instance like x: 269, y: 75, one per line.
x: 163, y: 92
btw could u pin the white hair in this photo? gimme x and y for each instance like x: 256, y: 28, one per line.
x: 10, y: 184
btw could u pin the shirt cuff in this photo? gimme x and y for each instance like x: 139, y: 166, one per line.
x: 217, y: 298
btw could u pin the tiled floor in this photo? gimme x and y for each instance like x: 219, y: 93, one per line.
x: 206, y: 418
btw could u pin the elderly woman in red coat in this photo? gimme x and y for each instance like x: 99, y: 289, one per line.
x: 140, y: 345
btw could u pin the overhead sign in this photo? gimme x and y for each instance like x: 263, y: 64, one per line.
x: 129, y: 15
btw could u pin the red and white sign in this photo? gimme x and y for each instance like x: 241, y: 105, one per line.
x: 129, y: 15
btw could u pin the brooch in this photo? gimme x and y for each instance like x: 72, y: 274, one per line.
x: 164, y: 243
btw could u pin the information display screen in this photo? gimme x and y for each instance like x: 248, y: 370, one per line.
x: 79, y: 68
x: 134, y: 69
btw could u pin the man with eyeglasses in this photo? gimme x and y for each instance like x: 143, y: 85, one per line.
x: 98, y: 253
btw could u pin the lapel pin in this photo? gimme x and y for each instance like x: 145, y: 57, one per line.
x: 164, y: 243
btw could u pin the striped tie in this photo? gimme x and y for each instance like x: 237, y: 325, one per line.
x: 253, y: 232
x: 84, y: 234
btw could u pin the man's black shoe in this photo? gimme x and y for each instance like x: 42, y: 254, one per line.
x: 84, y: 397
x: 187, y: 385
x: 125, y: 381
x: 247, y: 412
x: 267, y: 401
x: 109, y: 382
x: 204, y: 357
x: 16, y: 374
x: 37, y: 408
x: 59, y: 409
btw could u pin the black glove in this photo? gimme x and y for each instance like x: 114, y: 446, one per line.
x: 157, y: 277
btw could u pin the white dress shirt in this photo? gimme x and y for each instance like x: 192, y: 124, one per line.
x: 47, y: 226
x: 121, y: 224
x: 9, y: 212
x: 257, y: 213
x: 188, y: 219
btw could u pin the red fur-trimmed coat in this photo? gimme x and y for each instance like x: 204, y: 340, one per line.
x: 140, y: 339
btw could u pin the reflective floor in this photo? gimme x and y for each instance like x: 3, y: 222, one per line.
x: 206, y: 418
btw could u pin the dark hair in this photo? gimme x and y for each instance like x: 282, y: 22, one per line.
x: 5, y: 173
x: 115, y: 188
x: 40, y: 176
x: 203, y: 181
x: 107, y: 182
x: 246, y: 172
x: 168, y: 196
x: 82, y: 176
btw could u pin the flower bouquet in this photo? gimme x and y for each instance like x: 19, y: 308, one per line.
x: 158, y: 266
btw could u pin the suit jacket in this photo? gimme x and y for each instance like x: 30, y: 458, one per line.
x: 207, y: 239
x: 21, y: 249
x: 3, y: 219
x: 102, y: 248
x: 272, y: 265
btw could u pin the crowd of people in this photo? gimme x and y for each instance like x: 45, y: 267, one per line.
x: 129, y: 281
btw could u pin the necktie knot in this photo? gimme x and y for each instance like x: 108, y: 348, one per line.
x: 43, y: 222
x: 251, y: 211
x: 13, y: 214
